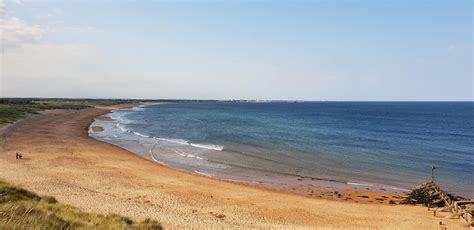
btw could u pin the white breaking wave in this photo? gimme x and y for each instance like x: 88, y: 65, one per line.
x: 121, y: 121
x: 181, y: 153
x: 114, y: 116
x: 212, y: 147
x: 185, y: 142
x: 121, y: 128
x: 152, y: 156
x: 138, y: 109
x: 204, y: 174
x: 359, y: 184
x: 139, y: 134
x: 154, y: 159
x: 176, y: 141
x: 184, y: 154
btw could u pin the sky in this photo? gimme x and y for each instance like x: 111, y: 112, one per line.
x: 340, y: 50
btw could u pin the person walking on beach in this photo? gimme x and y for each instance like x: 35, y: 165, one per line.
x: 20, y: 155
x: 17, y: 155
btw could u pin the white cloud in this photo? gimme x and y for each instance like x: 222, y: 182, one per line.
x: 15, y: 32
x: 31, y: 65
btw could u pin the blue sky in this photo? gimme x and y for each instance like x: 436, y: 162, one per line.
x: 295, y: 50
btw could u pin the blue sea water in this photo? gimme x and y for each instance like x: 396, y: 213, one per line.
x: 383, y: 145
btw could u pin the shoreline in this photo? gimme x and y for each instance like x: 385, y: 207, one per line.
x: 340, y: 191
x: 62, y: 160
x: 380, y: 186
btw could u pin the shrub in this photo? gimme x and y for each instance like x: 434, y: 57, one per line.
x: 22, y: 209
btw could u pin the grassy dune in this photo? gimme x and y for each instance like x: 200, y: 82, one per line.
x: 12, y: 112
x: 21, y: 209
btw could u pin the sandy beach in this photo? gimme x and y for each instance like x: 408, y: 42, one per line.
x: 61, y: 160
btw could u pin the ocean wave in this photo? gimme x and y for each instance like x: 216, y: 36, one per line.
x: 114, y: 115
x: 359, y: 184
x: 176, y: 141
x: 120, y: 119
x: 122, y: 128
x: 211, y: 147
x: 202, y: 173
x: 138, y: 109
x: 185, y: 142
x: 154, y: 159
x: 181, y: 153
x: 141, y: 135
x: 184, y: 154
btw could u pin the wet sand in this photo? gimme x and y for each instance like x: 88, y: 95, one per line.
x: 61, y: 160
x: 97, y: 129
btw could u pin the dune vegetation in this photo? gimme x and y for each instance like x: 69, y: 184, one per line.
x: 22, y: 209
x: 12, y: 112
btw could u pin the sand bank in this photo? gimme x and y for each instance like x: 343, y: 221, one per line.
x: 97, y: 129
x: 61, y: 160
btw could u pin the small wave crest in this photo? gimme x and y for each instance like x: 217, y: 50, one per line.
x: 141, y: 135
x: 121, y: 126
x: 359, y: 184
x: 121, y: 120
x: 154, y: 159
x: 138, y: 109
x: 184, y: 154
x: 212, y: 147
x: 185, y: 142
x: 202, y: 173
x: 176, y: 141
x: 123, y: 129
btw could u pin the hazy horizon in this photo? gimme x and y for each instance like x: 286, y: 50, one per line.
x: 307, y: 51
x: 224, y: 100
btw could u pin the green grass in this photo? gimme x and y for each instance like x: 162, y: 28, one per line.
x: 12, y: 112
x: 22, y: 209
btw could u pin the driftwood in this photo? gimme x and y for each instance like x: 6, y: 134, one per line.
x: 430, y: 195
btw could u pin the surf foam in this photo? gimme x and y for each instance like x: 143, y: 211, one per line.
x: 185, y: 142
x: 359, y: 184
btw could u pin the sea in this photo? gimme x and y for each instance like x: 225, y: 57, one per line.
x: 380, y: 146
